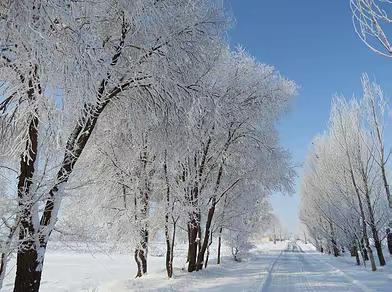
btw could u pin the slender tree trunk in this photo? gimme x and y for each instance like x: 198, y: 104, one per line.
x: 189, y: 240
x: 169, y: 263
x: 218, y: 260
x: 170, y: 251
x: 382, y: 152
x: 4, y: 256
x: 354, y: 253
x: 138, y: 263
x: 234, y: 252
x: 389, y: 242
x: 364, y: 251
x: 364, y: 229
x: 201, y: 254
x: 370, y: 254
x: 374, y: 230
x: 333, y: 241
x: 353, y: 250
x: 208, y: 252
x: 3, y: 267
x: 386, y: 185
x: 169, y: 247
x: 357, y: 255
x: 141, y: 253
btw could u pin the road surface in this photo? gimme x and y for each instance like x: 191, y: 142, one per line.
x: 294, y: 270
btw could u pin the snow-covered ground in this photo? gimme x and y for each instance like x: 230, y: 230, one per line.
x: 285, y: 266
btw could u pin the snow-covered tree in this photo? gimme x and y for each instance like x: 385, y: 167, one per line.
x: 343, y: 184
x: 371, y: 19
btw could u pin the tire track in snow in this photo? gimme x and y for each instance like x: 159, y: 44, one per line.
x: 339, y: 271
x: 267, y: 282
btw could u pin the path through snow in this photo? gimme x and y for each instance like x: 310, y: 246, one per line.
x: 295, y: 270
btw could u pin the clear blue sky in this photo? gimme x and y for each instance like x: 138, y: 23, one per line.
x: 313, y: 43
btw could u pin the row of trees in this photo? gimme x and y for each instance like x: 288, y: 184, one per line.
x: 123, y: 119
x: 345, y: 195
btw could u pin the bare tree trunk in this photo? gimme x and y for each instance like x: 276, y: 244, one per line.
x: 389, y: 242
x: 28, y: 262
x: 169, y: 264
x: 4, y: 256
x: 201, y: 254
x: 138, y: 263
x: 141, y: 253
x: 333, y: 241
x: 170, y: 254
x: 364, y: 229
x: 192, y: 247
x: 357, y: 255
x: 354, y: 253
x: 208, y: 252
x: 218, y: 260
x: 374, y: 230
x: 382, y: 162
x: 169, y: 248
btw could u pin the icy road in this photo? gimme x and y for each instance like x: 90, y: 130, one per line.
x: 296, y: 270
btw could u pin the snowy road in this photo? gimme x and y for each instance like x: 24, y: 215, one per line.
x: 294, y: 270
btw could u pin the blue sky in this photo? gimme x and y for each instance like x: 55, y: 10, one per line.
x: 313, y: 43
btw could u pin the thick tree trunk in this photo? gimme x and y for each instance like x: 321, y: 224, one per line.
x: 377, y: 244
x: 192, y: 245
x: 28, y: 265
x: 29, y: 268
